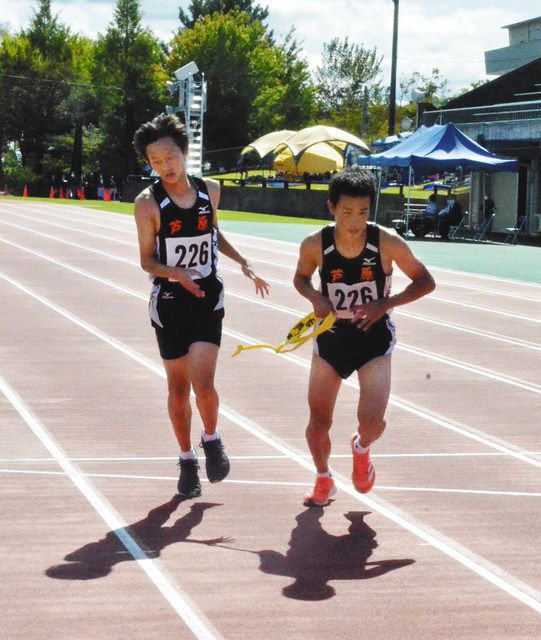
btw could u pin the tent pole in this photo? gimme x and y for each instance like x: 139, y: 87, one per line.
x: 378, y: 189
x: 410, y: 177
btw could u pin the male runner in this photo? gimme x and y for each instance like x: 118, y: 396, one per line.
x: 179, y: 240
x: 355, y: 261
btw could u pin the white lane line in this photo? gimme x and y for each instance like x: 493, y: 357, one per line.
x: 273, y: 483
x: 478, y: 454
x: 483, y: 492
x: 394, y: 400
x: 130, y: 476
x: 450, y: 325
x: 491, y: 335
x: 472, y: 368
x: 470, y: 432
x: 482, y: 371
x: 248, y: 241
x: 197, y: 624
x: 290, y: 267
x: 491, y: 573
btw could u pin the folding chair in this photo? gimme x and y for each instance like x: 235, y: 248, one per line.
x: 484, y: 228
x: 512, y: 232
x: 455, y: 229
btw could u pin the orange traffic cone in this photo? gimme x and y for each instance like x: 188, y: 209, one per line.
x: 25, y: 192
x: 83, y: 193
x: 61, y: 193
x: 51, y: 192
x: 107, y: 195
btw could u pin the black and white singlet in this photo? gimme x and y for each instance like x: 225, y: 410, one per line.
x: 350, y: 282
x: 187, y: 238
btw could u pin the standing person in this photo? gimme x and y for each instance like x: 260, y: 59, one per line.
x: 179, y: 239
x: 355, y: 262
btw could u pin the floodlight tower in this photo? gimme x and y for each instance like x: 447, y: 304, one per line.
x: 192, y: 104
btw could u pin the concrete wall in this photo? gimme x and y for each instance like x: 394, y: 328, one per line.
x: 302, y: 203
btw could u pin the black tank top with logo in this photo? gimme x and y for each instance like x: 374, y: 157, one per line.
x: 351, y: 282
x: 187, y: 238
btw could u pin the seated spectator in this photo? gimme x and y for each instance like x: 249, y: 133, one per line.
x: 432, y: 206
x: 449, y: 216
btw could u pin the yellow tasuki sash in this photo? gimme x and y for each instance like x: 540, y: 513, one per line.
x: 296, y: 337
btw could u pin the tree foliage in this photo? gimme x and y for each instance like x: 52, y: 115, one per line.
x: 130, y: 80
x: 433, y: 87
x: 345, y: 70
x: 254, y: 86
x: 198, y: 9
x: 36, y: 68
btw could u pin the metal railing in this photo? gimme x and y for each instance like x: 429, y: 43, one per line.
x: 507, y: 112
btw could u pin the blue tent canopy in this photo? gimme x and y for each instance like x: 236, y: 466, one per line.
x: 441, y: 146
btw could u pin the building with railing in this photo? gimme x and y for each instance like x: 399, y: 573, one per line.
x: 504, y: 116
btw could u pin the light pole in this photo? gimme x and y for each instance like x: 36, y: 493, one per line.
x: 392, y: 90
x: 192, y: 104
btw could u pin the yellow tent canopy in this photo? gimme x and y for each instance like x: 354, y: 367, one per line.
x: 267, y: 143
x: 319, y: 158
x: 305, y: 138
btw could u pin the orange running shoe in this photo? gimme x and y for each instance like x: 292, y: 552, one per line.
x: 364, y: 474
x: 323, y: 489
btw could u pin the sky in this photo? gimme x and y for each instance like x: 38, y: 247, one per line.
x: 451, y: 36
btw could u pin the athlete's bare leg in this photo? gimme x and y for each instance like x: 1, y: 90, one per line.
x: 195, y: 370
x: 202, y: 359
x: 322, y: 391
x: 375, y: 383
x: 178, y: 400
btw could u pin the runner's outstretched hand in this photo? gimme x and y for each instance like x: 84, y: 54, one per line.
x: 261, y: 286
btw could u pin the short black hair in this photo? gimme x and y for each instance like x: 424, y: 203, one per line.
x: 354, y: 182
x: 166, y: 125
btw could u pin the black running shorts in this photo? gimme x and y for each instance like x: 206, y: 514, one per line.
x: 180, y: 321
x: 347, y: 348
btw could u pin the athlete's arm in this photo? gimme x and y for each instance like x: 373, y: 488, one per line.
x: 147, y: 219
x: 225, y: 247
x: 309, y: 260
x: 394, y: 249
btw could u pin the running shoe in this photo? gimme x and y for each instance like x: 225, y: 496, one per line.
x: 216, y: 462
x: 322, y: 490
x: 364, y: 474
x: 189, y: 485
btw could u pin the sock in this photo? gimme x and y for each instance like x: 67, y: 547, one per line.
x: 208, y: 438
x: 357, y: 446
x: 188, y: 455
x: 327, y: 474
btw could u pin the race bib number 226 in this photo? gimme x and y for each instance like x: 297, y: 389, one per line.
x: 345, y: 298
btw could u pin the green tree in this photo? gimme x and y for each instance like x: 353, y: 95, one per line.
x: 130, y: 81
x: 198, y: 9
x: 433, y: 87
x: 253, y: 85
x: 345, y: 70
x: 36, y: 68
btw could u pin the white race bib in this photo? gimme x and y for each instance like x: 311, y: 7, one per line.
x: 345, y: 297
x: 190, y: 253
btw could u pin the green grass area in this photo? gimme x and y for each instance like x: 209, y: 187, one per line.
x: 127, y: 209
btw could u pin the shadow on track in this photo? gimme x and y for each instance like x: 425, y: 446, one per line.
x: 316, y: 557
x: 97, y: 559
